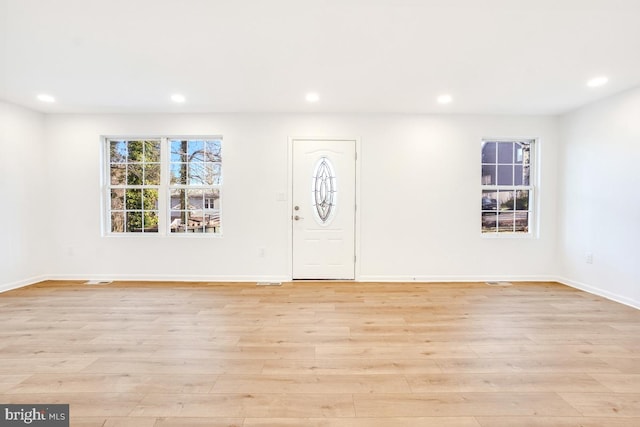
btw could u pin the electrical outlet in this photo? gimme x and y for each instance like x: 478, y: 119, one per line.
x: 261, y: 252
x: 588, y: 258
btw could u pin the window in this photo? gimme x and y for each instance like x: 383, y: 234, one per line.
x: 164, y: 185
x: 134, y: 184
x: 196, y: 175
x: 507, y: 187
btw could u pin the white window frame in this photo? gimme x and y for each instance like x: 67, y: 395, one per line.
x: 532, y: 229
x: 164, y: 188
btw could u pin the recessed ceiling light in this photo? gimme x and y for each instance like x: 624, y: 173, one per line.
x: 597, y: 81
x: 444, y: 99
x: 176, y: 97
x: 46, y: 98
x: 312, y: 97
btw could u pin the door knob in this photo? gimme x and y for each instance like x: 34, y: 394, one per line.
x: 297, y: 218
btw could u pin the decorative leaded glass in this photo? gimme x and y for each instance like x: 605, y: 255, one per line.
x: 324, y: 190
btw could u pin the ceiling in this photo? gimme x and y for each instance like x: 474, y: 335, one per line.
x: 362, y: 56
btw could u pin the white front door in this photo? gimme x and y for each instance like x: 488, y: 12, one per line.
x: 323, y: 215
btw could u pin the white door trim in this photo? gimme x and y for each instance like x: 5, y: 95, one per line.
x: 290, y: 200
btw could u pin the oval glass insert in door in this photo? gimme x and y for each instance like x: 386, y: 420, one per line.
x: 324, y: 191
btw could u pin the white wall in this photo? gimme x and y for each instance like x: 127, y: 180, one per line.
x: 420, y: 198
x: 24, y: 197
x: 600, y: 198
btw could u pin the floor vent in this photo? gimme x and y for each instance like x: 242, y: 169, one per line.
x: 499, y: 283
x: 269, y: 283
x: 98, y: 282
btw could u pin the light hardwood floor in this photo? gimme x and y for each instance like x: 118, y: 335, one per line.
x: 322, y: 354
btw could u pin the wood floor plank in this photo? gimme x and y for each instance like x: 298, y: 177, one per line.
x: 199, y: 422
x: 626, y: 365
x: 557, y: 422
x: 9, y: 381
x: 113, y: 422
x: 245, y: 405
x: 531, y: 364
x: 363, y: 422
x: 311, y: 384
x: 461, y: 404
x: 184, y: 366
x: 619, y: 383
x: 120, y: 383
x: 349, y: 366
x: 431, y: 351
x: 510, y: 350
x: 501, y: 382
x: 29, y: 366
x: 605, y: 404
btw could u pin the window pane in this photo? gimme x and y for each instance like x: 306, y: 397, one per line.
x: 117, y: 222
x: 517, y: 175
x: 118, y: 174
x: 195, y: 199
x: 489, y: 200
x: 150, y: 222
x: 195, y: 222
x: 134, y: 199
x: 489, y: 222
x: 152, y: 174
x: 134, y: 174
x: 135, y: 151
x: 178, y: 199
x: 205, y: 173
x: 178, y: 221
x: 213, y: 151
x: 196, y: 151
x: 505, y: 221
x: 197, y: 173
x: 152, y: 151
x: 212, y: 199
x: 179, y: 151
x: 505, y: 175
x: 214, y: 176
x: 522, y: 200
x: 134, y: 222
x: 521, y: 221
x: 150, y: 199
x: 525, y: 174
x: 505, y: 200
x: 517, y: 153
x: 117, y: 151
x: 522, y: 153
x: 505, y: 152
x: 489, y: 175
x: 179, y: 173
x: 488, y: 152
x: 117, y: 199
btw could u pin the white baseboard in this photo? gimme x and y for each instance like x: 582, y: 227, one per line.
x: 167, y: 278
x: 22, y: 283
x: 430, y: 279
x: 600, y: 292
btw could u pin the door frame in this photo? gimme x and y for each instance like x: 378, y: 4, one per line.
x: 356, y: 219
